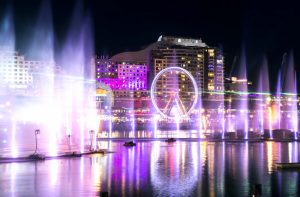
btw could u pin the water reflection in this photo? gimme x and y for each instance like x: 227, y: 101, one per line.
x: 157, y: 168
x: 172, y: 171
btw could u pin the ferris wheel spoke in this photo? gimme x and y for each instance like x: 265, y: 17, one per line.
x: 174, y: 102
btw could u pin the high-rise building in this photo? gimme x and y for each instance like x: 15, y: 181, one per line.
x: 203, y: 62
x: 130, y: 74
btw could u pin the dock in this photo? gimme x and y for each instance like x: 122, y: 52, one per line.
x: 288, y: 165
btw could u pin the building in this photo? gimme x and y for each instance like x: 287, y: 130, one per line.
x: 235, y: 84
x: 206, y: 64
x: 130, y: 74
x: 203, y: 62
x: 127, y: 80
x: 20, y: 76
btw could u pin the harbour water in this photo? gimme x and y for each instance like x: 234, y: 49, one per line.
x: 158, y: 168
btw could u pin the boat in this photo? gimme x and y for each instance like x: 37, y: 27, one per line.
x: 288, y: 165
x: 130, y: 143
x: 170, y: 140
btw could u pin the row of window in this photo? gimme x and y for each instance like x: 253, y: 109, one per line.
x: 21, y: 62
x: 134, y: 74
x: 16, y: 66
x: 133, y: 67
x: 8, y: 74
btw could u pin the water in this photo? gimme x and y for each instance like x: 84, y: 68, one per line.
x: 157, y: 168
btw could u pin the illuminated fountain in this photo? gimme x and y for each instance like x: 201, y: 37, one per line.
x: 58, y: 98
x: 43, y: 33
x: 278, y: 97
x: 285, y: 108
x: 7, y: 39
x: 242, y: 122
x: 290, y: 95
x: 78, y: 87
x: 263, y: 115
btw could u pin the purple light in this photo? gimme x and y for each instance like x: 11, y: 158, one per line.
x: 127, y: 77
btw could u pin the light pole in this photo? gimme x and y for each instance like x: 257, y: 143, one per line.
x: 92, y: 137
x: 37, y: 132
x: 69, y: 141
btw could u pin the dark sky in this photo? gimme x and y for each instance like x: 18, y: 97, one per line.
x: 262, y: 28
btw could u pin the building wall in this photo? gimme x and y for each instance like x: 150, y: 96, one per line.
x: 189, y: 59
x: 133, y: 76
x: 14, y: 70
x: 25, y: 77
x: 135, y: 71
x: 206, y: 64
x: 121, y: 75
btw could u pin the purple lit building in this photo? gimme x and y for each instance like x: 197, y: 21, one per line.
x: 121, y: 76
x: 132, y: 76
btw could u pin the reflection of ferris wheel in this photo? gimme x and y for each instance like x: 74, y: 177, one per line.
x: 174, y: 93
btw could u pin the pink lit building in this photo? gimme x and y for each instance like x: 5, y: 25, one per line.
x: 132, y: 76
x: 121, y: 76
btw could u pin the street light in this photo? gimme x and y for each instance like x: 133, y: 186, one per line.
x: 37, y: 132
x: 69, y: 141
x: 92, y: 136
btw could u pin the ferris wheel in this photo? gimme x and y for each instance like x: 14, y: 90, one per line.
x: 174, y: 93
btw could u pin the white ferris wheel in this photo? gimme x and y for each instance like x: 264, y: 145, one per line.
x: 174, y: 93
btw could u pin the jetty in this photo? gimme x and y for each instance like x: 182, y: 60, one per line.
x: 288, y: 165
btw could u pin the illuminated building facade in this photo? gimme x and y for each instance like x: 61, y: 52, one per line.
x: 130, y: 74
x: 121, y: 76
x: 21, y: 76
x: 136, y: 70
x: 235, y: 84
x: 225, y: 107
x: 203, y: 62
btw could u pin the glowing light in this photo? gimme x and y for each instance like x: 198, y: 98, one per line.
x: 270, y: 156
x: 270, y: 122
x: 290, y: 149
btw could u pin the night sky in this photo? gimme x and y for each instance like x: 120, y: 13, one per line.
x: 268, y: 28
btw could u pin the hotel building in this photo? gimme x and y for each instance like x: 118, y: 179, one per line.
x: 130, y: 74
x: 203, y: 62
x: 136, y: 70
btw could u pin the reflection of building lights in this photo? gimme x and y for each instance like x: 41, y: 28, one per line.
x: 269, y: 156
